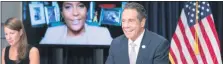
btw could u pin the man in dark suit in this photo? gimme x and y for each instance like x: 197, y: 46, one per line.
x: 138, y: 45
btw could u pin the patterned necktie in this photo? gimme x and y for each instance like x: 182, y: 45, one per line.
x: 132, y: 56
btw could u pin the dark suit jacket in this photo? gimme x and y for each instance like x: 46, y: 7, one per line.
x: 155, y: 52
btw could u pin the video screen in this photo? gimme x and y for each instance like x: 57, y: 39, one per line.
x: 72, y: 23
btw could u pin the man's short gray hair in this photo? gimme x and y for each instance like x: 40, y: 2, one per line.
x: 139, y: 8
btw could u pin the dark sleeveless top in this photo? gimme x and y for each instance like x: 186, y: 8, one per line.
x: 23, y: 61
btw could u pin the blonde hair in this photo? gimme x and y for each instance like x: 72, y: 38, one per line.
x: 16, y: 24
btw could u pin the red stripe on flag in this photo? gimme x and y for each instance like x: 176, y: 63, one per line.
x: 192, y: 29
x: 173, y: 56
x: 187, y: 42
x: 212, y: 25
x: 210, y: 48
x: 200, y: 48
x: 202, y: 53
x: 175, y: 38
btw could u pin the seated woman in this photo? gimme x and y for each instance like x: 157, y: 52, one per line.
x: 75, y: 30
x: 19, y: 51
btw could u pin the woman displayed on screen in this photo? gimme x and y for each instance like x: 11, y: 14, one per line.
x: 75, y: 30
x: 18, y: 51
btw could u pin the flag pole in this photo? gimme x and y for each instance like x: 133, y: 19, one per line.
x: 196, y: 32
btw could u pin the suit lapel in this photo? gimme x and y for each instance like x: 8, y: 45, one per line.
x: 143, y: 47
x: 124, y: 50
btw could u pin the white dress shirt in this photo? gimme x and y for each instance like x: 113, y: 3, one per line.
x: 137, y: 42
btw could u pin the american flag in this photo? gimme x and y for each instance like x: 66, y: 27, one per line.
x: 195, y: 42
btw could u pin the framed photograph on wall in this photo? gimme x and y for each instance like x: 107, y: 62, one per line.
x: 50, y: 14
x: 37, y: 14
x: 93, y: 15
x: 111, y: 16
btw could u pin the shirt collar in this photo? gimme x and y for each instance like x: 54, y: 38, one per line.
x: 138, y: 39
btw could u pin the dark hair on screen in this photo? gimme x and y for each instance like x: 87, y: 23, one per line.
x: 60, y: 3
x: 86, y: 3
